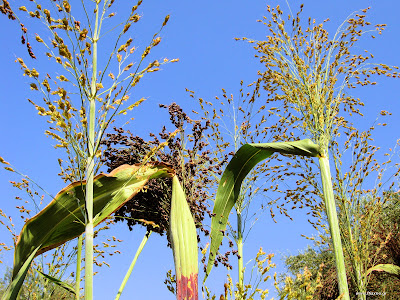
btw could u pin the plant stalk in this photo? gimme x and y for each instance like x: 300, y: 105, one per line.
x: 78, y: 268
x: 89, y: 221
x: 240, y: 252
x: 330, y: 208
x: 129, y: 272
x: 90, y: 167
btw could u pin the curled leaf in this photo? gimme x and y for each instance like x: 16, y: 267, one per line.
x: 245, y: 159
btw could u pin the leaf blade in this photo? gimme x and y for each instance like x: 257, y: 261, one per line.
x: 12, y: 290
x: 245, y: 159
x: 62, y: 219
x: 184, y: 244
x: 65, y: 285
x: 388, y: 268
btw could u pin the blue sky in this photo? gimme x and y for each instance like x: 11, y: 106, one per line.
x: 201, y: 35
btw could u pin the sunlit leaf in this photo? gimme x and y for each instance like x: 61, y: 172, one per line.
x: 388, y: 268
x: 240, y: 165
x: 13, y: 289
x: 63, y: 218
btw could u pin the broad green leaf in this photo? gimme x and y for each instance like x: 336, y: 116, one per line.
x: 65, y: 285
x: 388, y: 268
x: 240, y: 165
x: 13, y: 289
x: 184, y: 244
x: 63, y: 218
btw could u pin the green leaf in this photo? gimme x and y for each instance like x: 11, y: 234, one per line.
x: 63, y: 218
x: 68, y: 287
x: 246, y: 158
x: 184, y: 244
x: 13, y: 289
x: 388, y: 268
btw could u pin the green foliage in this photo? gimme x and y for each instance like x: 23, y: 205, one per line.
x: 230, y: 184
x: 314, y: 267
x: 78, y: 127
x: 66, y: 286
x: 35, y: 287
x: 63, y: 219
x: 307, y: 70
x: 308, y: 75
x: 390, y: 269
x: 304, y: 286
x: 384, y: 247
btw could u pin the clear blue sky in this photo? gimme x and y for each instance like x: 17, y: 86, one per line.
x: 201, y: 34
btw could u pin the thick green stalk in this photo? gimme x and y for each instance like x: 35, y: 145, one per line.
x: 78, y: 268
x: 90, y: 167
x: 89, y: 215
x: 129, y: 272
x: 240, y: 252
x: 89, y: 208
x: 330, y: 208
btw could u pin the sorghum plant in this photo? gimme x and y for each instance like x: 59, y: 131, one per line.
x: 185, y: 152
x: 308, y: 75
x: 360, y: 206
x: 80, y: 101
x: 377, y: 247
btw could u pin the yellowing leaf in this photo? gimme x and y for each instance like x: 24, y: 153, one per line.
x: 63, y: 218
